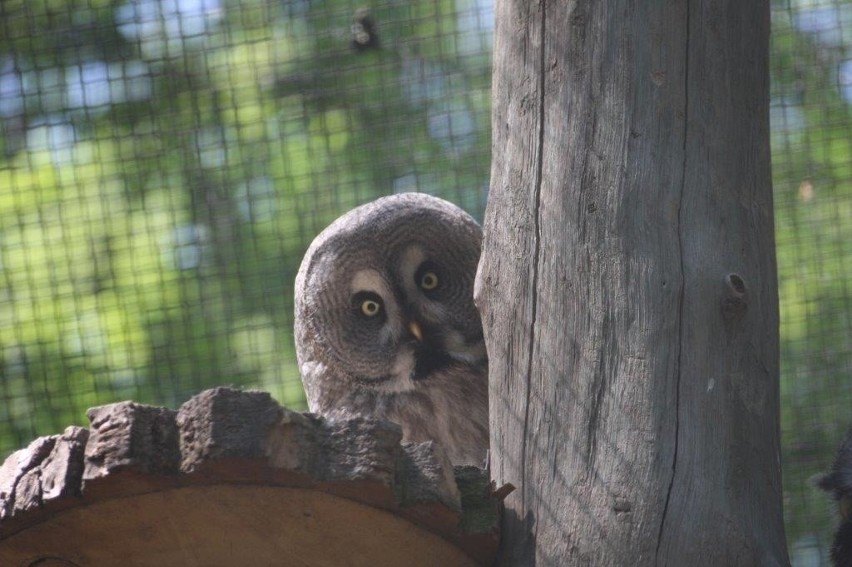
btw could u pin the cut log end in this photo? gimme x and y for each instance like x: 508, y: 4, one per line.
x: 234, y: 479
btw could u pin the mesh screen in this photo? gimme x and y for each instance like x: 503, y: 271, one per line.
x: 811, y: 94
x: 165, y: 163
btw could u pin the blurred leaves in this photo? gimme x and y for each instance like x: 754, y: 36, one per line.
x: 166, y: 164
x: 812, y: 170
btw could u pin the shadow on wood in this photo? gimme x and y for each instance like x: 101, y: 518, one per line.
x: 235, y: 479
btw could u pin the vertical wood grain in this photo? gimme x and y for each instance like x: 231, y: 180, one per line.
x: 628, y: 287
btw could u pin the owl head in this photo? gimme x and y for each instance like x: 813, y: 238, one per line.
x: 384, y: 298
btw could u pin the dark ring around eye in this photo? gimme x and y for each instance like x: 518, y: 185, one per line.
x: 429, y: 281
x: 367, y: 304
x: 426, y: 277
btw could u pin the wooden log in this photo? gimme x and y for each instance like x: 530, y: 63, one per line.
x: 628, y: 285
x: 232, y: 478
x: 43, y: 475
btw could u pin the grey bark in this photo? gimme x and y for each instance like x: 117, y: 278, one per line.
x: 142, y: 470
x: 628, y: 285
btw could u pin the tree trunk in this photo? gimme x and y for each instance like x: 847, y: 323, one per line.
x: 628, y: 285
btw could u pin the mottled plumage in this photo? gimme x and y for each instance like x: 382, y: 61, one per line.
x: 386, y: 325
x: 839, y: 483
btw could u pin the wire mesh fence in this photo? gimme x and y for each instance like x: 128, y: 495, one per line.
x: 165, y: 163
x: 811, y: 116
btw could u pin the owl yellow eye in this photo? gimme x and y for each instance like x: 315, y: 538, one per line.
x: 370, y: 308
x: 429, y: 281
x: 368, y: 305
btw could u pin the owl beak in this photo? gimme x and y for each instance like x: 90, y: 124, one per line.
x: 416, y: 331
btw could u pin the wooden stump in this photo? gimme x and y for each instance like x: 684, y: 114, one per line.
x: 232, y: 478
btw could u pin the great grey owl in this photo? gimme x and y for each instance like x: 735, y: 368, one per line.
x: 386, y: 325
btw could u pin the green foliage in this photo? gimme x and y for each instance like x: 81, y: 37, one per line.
x: 151, y: 226
x: 813, y: 205
x: 164, y: 172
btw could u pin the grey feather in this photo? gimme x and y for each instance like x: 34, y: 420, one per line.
x: 386, y: 326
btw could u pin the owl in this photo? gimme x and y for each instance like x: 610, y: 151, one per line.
x: 386, y: 326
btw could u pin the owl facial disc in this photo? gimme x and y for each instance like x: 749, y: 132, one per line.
x: 386, y: 326
x: 429, y: 356
x: 384, y: 300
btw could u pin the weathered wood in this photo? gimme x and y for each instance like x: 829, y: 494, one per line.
x: 48, y: 470
x: 231, y: 525
x: 628, y: 285
x: 232, y: 478
x: 62, y: 471
x: 13, y: 475
x: 429, y: 476
x: 130, y: 435
x: 138, y: 441
x: 222, y: 423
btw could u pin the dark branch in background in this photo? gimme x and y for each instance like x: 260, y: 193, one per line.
x: 364, y: 34
x: 839, y: 483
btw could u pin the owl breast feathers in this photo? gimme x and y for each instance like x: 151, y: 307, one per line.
x: 386, y: 325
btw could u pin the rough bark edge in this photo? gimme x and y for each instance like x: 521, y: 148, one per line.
x: 228, y: 436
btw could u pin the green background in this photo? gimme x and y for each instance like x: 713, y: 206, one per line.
x: 165, y: 163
